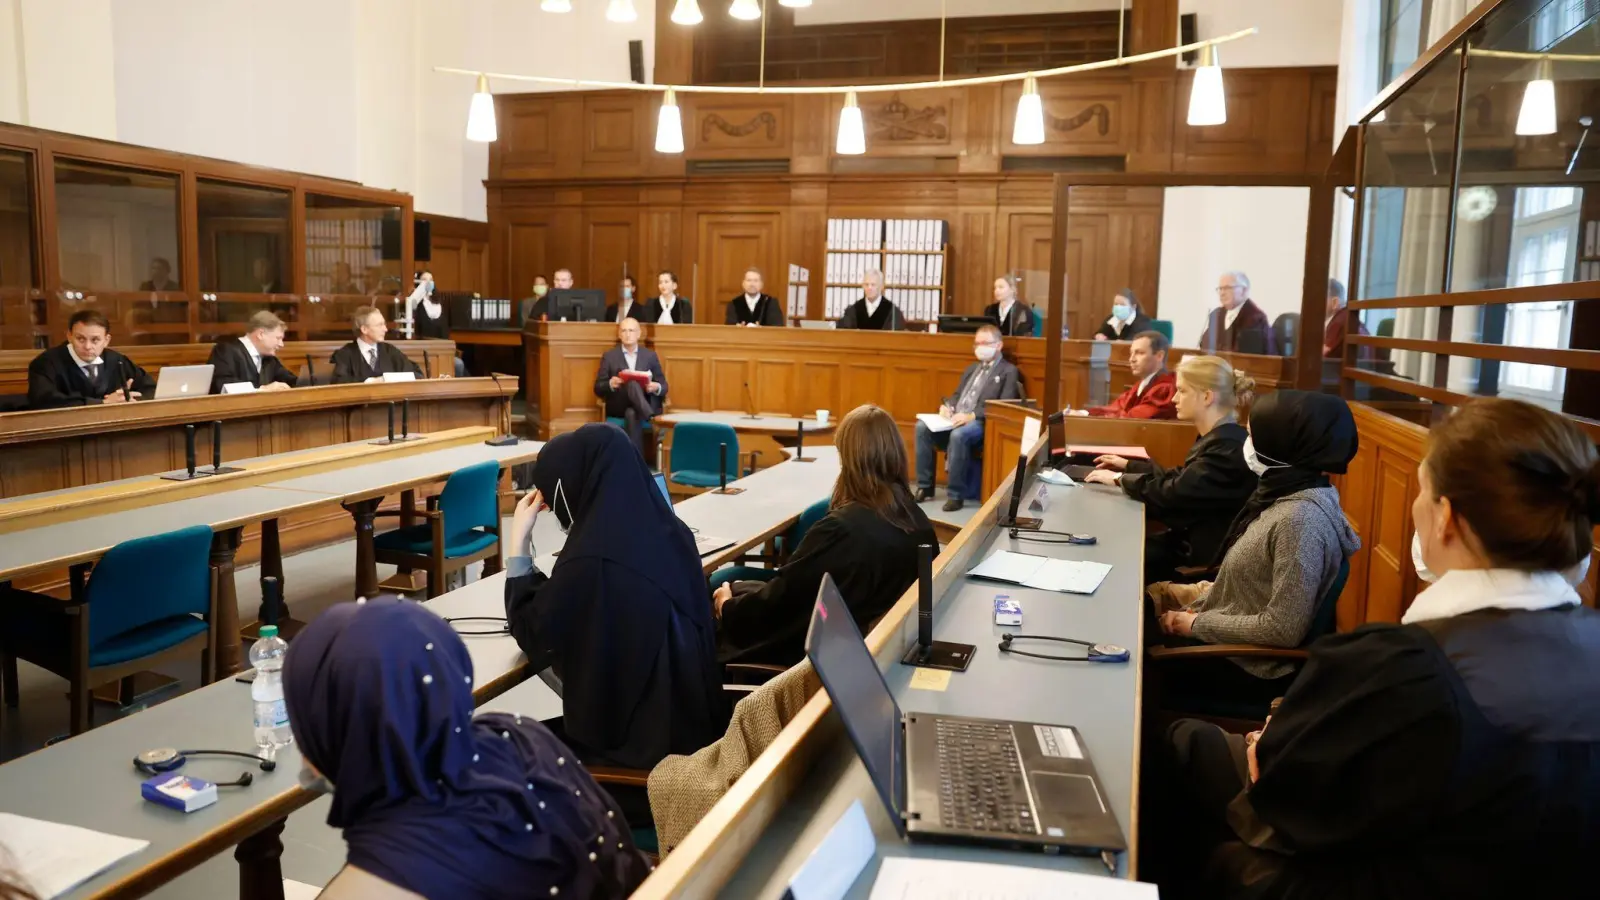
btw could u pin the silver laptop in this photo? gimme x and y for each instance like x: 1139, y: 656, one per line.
x: 183, y: 381
x: 826, y: 324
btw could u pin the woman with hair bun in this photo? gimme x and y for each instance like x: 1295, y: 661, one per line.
x: 1456, y: 754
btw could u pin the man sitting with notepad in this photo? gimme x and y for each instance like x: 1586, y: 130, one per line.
x: 631, y: 381
x: 958, y: 427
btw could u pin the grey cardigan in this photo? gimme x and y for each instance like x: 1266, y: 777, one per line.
x: 1267, y: 588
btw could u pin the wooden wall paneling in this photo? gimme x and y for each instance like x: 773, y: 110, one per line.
x: 806, y: 239
x: 611, y: 249
x: 980, y: 152
x: 1269, y: 114
x: 972, y: 264
x: 741, y: 126
x: 616, y: 133
x: 1120, y: 233
x: 1376, y: 494
x: 446, y: 264
x: 527, y: 254
x: 661, y: 242
x: 1154, y: 98
x: 1025, y: 250
x: 1082, y: 117
x: 728, y: 244
x: 811, y: 142
x: 527, y: 145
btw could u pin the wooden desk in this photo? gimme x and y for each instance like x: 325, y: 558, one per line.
x: 1166, y: 441
x: 796, y: 371
x: 768, y: 436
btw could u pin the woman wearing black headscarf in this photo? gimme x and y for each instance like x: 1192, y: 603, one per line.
x: 434, y: 802
x: 1282, y: 552
x: 624, y: 617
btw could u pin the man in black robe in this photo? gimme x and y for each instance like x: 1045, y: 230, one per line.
x: 84, y: 369
x: 369, y: 357
x: 252, y: 359
x: 873, y: 312
x: 754, y: 307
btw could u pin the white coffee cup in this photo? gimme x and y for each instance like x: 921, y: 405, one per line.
x: 822, y: 417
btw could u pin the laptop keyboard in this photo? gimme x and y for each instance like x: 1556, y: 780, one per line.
x: 980, y: 780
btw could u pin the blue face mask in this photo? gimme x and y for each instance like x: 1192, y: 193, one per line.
x: 1121, y: 311
x: 627, y: 293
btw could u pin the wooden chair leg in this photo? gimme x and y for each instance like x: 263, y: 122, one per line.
x: 8, y: 671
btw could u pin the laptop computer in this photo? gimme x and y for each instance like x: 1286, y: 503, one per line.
x: 705, y: 544
x: 183, y: 381
x: 953, y: 778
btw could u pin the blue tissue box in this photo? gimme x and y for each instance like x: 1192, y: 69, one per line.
x: 184, y: 793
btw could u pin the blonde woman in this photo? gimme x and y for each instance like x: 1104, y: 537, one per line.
x: 1198, y: 500
x: 867, y: 542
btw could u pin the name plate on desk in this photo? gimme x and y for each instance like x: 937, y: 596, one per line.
x: 399, y: 376
x: 838, y: 860
x: 239, y: 387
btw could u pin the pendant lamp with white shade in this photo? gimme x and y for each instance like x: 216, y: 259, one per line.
x: 1207, y: 105
x: 749, y: 10
x: 669, y: 125
x: 480, y: 115
x: 687, y: 12
x: 1029, y: 126
x: 1538, y: 113
x: 621, y: 11
x: 852, y: 139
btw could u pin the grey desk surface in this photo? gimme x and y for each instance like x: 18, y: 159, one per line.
x: 772, y: 497
x: 40, y: 547
x: 764, y: 424
x: 1100, y: 700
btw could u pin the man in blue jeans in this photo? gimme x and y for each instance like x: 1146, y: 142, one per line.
x: 990, y: 378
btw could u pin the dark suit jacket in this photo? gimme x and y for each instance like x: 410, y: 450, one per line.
x: 1251, y: 332
x: 768, y: 312
x: 639, y: 310
x: 1338, y: 326
x: 350, y: 367
x: 887, y: 318
x: 613, y: 362
x: 1018, y: 324
x: 1139, y: 325
x: 1003, y: 382
x: 54, y: 379
x: 682, y: 310
x: 531, y: 308
x: 232, y: 363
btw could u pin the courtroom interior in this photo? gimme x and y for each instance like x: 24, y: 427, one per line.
x: 798, y: 449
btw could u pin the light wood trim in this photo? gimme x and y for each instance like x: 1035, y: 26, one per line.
x: 96, y: 500
x: 1587, y: 360
x: 1543, y: 293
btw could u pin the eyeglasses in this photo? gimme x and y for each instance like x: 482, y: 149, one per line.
x: 1230, y: 287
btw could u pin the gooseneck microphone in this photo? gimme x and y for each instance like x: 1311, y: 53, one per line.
x: 928, y: 653
x: 311, y: 372
x: 427, y: 365
x: 722, y: 467
x: 188, y: 437
x: 749, y: 402
x: 123, y: 379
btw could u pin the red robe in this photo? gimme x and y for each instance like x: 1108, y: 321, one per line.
x: 1155, y: 403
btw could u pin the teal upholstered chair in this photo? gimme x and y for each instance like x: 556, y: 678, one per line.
x: 695, y: 453
x: 786, y: 542
x: 1164, y: 326
x: 147, y: 601
x: 1237, y: 710
x: 1038, y: 322
x: 462, y: 527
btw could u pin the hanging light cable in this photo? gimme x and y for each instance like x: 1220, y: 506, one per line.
x: 621, y: 11
x: 1538, y: 113
x: 795, y: 4
x: 687, y: 12
x: 852, y: 130
x: 1029, y: 126
x: 1207, y: 105
x: 556, y: 6
x: 480, y: 115
x: 669, y: 125
x: 749, y: 10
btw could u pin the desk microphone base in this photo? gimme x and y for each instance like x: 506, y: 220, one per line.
x: 803, y: 459
x: 509, y: 440
x: 940, y: 655
x: 225, y: 470
x: 186, y: 476
x: 397, y: 440
x: 727, y: 490
x: 1021, y: 523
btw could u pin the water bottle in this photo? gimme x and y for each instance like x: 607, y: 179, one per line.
x: 266, y: 692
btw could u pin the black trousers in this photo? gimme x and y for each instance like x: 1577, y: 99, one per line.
x: 1192, y: 771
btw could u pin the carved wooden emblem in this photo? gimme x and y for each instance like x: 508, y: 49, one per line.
x: 760, y: 120
x: 1098, y: 112
x: 896, y: 121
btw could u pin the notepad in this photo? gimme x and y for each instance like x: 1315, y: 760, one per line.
x: 908, y: 878
x: 935, y: 422
x: 1068, y: 576
x: 52, y: 858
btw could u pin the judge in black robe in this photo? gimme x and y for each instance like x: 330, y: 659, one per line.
x: 873, y: 312
x: 351, y: 365
x: 624, y: 617
x: 1196, y: 501
x: 752, y: 307
x: 233, y: 364
x: 871, y: 560
x: 55, y: 379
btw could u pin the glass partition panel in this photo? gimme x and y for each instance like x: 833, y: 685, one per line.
x: 117, y: 228
x: 244, y: 238
x: 21, y: 315
x: 352, y: 247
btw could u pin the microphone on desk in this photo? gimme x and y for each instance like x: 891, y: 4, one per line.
x: 722, y: 467
x: 311, y: 372
x: 800, y: 442
x: 188, y: 436
x: 427, y: 365
x: 925, y: 597
x: 217, y: 468
x: 123, y: 379
x: 505, y: 440
x: 749, y: 402
x: 405, y: 419
x: 927, y: 652
x: 391, y: 423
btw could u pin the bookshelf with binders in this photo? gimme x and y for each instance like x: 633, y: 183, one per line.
x: 799, y: 291
x: 911, y: 253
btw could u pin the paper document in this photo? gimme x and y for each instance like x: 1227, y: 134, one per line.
x: 53, y: 859
x: 709, y: 544
x: 905, y: 878
x: 935, y: 422
x: 1069, y: 576
x: 1030, y: 432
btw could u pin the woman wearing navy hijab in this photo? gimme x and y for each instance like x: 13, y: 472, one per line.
x: 435, y: 802
x: 624, y: 617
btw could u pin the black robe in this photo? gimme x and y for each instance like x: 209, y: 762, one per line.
x: 871, y: 560
x: 427, y: 327
x: 1137, y: 326
x: 233, y: 365
x: 1018, y: 324
x: 887, y: 318
x: 1197, y: 501
x: 768, y: 312
x: 54, y: 379
x: 350, y: 366
x: 1452, y: 758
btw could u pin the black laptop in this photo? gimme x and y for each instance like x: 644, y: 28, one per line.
x: 952, y: 778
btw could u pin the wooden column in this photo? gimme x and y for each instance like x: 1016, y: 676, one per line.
x: 229, y: 650
x: 364, y: 511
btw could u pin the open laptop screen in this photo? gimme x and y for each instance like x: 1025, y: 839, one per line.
x: 859, y: 694
x: 661, y: 484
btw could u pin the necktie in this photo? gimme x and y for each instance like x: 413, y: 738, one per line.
x: 372, y: 359
x: 93, y: 371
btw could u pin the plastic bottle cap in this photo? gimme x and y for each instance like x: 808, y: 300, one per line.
x: 269, y: 631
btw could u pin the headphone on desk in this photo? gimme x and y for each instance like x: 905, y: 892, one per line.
x: 1098, y: 653
x: 166, y: 759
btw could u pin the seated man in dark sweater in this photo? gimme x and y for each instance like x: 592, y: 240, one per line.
x: 873, y: 311
x: 85, y: 369
x: 369, y: 357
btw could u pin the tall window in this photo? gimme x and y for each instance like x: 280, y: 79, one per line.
x: 1544, y: 245
x: 1402, y: 35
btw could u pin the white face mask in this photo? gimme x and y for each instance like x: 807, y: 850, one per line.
x: 567, y: 525
x: 985, y: 352
x: 1254, y: 459
x: 1573, y: 576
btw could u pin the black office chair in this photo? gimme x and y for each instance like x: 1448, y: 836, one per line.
x: 1286, y: 333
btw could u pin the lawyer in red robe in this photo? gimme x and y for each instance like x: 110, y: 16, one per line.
x: 1150, y: 396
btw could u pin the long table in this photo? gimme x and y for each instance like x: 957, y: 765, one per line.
x: 757, y: 836
x: 84, y: 781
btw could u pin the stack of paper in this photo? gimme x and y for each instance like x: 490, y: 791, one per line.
x: 53, y: 859
x: 935, y: 422
x: 1067, y: 576
x: 903, y: 878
